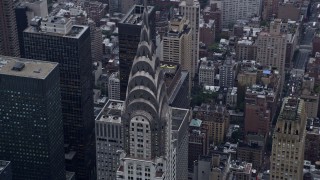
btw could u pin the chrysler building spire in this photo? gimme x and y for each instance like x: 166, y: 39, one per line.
x: 146, y: 104
x: 146, y: 114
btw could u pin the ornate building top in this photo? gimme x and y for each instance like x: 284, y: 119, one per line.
x: 146, y: 112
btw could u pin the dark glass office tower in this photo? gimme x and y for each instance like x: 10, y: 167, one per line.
x: 129, y: 38
x: 31, y: 128
x: 56, y: 39
x: 22, y: 24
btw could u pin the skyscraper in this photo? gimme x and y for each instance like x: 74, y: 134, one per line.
x: 191, y: 10
x: 109, y: 139
x: 271, y: 47
x: 288, y: 141
x: 56, y: 39
x: 31, y: 128
x: 129, y: 37
x: 9, y: 44
x: 177, y: 44
x: 227, y: 73
x: 146, y: 115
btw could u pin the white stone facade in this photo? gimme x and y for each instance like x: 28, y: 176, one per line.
x: 108, y: 140
x: 114, y: 86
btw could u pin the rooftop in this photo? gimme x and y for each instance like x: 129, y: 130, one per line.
x: 178, y: 116
x: 260, y: 90
x: 134, y: 16
x: 56, y: 26
x: 241, y: 166
x: 3, y: 165
x: 245, y: 41
x: 230, y: 148
x: 70, y: 175
x: 291, y: 108
x: 111, y: 112
x: 177, y: 87
x: 168, y: 68
x: 26, y: 67
x: 195, y: 123
x: 207, y: 65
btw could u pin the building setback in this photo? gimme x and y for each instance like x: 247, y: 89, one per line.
x: 31, y: 128
x: 56, y: 39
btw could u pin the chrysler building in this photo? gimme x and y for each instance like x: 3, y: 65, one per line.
x: 145, y: 116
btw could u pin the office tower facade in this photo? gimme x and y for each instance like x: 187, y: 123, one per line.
x: 56, y: 39
x: 271, y: 47
x: 114, y: 6
x: 31, y: 128
x: 191, y: 10
x: 96, y: 41
x: 270, y: 9
x: 312, y: 143
x: 22, y: 24
x: 245, y: 49
x: 5, y: 170
x: 217, y: 119
x: 108, y: 139
x: 177, y: 44
x: 129, y: 37
x: 311, y: 99
x: 9, y: 44
x: 146, y: 115
x: 233, y: 10
x: 288, y: 141
x: 227, y: 73
x: 177, y: 166
x: 25, y: 12
x: 114, y: 86
x: 207, y: 73
x: 252, y: 150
